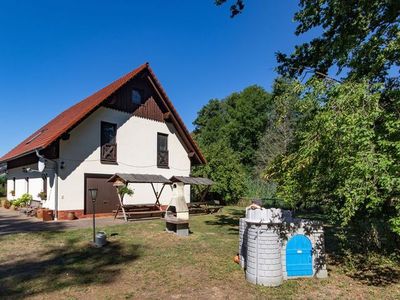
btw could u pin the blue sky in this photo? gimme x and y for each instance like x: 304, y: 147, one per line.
x: 54, y: 53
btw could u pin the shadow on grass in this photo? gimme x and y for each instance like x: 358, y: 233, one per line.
x: 230, y: 219
x: 65, y: 267
x: 376, y: 275
x: 351, y: 251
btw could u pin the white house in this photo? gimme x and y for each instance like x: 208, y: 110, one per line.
x: 130, y: 126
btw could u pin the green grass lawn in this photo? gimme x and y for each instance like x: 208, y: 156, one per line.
x: 142, y: 261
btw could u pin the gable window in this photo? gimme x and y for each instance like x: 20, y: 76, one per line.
x: 136, y: 97
x: 108, y: 153
x: 162, y: 150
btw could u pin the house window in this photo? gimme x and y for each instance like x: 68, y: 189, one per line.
x: 162, y: 150
x: 136, y: 97
x: 14, y: 184
x: 27, y: 185
x: 108, y: 153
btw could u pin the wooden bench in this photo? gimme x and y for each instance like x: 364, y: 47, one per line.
x: 140, y: 211
x: 203, y: 207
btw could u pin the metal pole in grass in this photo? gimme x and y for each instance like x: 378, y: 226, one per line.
x: 93, y: 195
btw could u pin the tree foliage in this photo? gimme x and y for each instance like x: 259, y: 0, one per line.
x: 236, y: 8
x: 240, y: 120
x: 359, y: 36
x: 338, y: 147
x: 345, y: 154
x: 225, y: 169
x: 228, y: 131
x: 281, y: 123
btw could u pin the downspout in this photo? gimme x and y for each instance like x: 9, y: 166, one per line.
x: 55, y: 168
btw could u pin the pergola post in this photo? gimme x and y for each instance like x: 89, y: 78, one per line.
x: 118, y: 184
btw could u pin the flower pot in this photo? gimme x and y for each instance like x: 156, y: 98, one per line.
x: 47, y: 214
x: 39, y: 213
x: 71, y: 215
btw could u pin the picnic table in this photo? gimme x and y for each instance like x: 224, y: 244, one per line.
x: 139, y: 210
x: 205, y: 207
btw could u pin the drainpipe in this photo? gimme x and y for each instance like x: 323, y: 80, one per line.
x: 55, y: 168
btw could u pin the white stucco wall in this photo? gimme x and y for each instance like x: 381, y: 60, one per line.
x: 136, y: 153
x: 35, y: 184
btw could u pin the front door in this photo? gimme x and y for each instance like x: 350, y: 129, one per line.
x: 107, y: 198
x: 299, y: 256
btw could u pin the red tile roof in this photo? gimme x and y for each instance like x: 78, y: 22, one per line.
x: 76, y: 113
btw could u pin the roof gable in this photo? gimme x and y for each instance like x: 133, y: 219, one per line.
x: 65, y: 121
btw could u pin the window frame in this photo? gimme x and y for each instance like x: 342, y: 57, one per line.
x: 139, y: 92
x: 159, y: 164
x: 104, y: 145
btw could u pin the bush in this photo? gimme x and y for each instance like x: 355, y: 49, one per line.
x: 23, y: 200
x: 42, y: 195
x: 125, y: 190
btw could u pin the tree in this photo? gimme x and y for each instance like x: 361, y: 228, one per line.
x: 344, y: 157
x: 224, y: 168
x: 236, y: 8
x: 360, y: 37
x: 210, y: 123
x: 228, y: 131
x: 240, y: 119
x: 281, y: 123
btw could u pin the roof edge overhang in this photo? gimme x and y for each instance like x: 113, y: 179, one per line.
x: 177, y: 120
x: 194, y: 151
x: 20, y: 155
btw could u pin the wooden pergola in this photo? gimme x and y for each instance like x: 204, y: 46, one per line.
x: 122, y: 179
x: 196, y: 181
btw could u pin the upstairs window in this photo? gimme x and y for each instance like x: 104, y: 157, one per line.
x: 108, y: 153
x: 162, y: 150
x: 136, y: 97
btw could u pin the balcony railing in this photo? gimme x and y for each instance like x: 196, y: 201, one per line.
x: 162, y: 159
x: 109, y: 153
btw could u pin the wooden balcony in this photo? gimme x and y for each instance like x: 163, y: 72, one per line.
x: 162, y: 159
x: 109, y: 153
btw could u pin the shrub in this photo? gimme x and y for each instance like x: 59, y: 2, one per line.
x: 125, y: 190
x: 23, y: 200
x: 42, y: 195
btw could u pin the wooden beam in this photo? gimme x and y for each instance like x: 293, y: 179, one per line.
x: 173, y: 119
x: 167, y: 116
